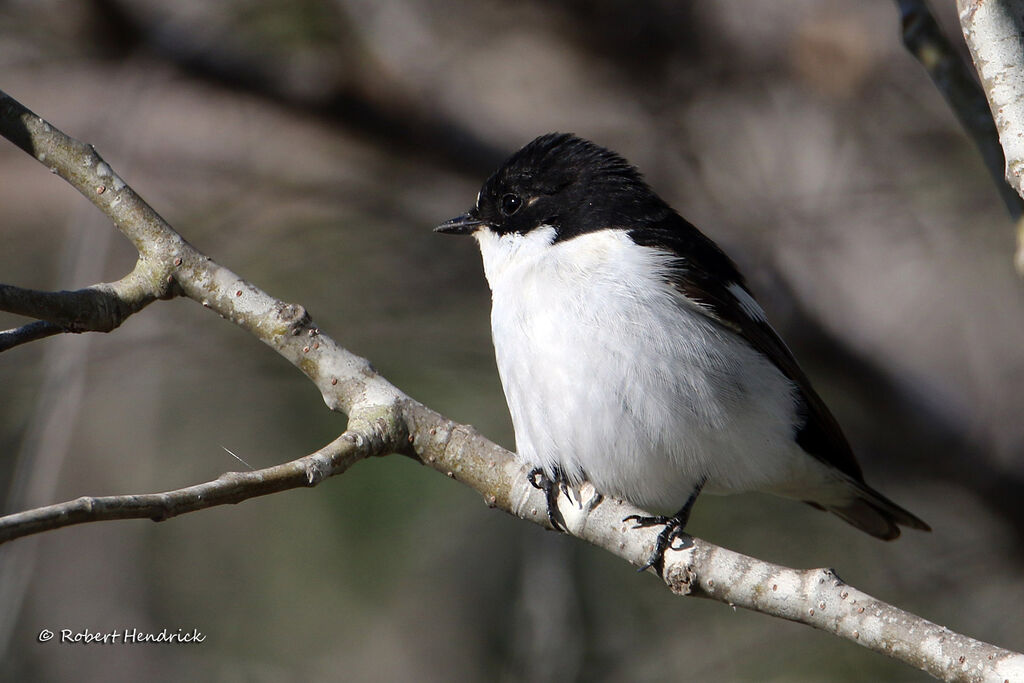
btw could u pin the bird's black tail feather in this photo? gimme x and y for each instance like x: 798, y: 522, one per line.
x: 873, y: 513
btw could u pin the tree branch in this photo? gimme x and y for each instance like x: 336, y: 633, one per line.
x: 924, y: 39
x: 815, y: 597
x: 994, y: 32
x: 99, y: 308
x: 229, y: 488
x: 382, y: 420
x: 102, y: 307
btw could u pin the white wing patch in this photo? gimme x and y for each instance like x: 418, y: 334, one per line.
x: 746, y: 302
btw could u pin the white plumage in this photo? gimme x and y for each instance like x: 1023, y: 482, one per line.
x: 612, y: 375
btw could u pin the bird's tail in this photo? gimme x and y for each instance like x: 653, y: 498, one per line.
x: 871, y: 512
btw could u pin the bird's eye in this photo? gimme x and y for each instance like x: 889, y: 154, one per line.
x: 510, y: 203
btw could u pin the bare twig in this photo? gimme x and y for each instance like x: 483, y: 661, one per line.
x: 229, y: 488
x: 382, y: 419
x: 28, y: 333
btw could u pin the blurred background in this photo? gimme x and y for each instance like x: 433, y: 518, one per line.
x: 310, y: 146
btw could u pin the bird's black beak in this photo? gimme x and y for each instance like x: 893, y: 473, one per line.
x: 460, y: 225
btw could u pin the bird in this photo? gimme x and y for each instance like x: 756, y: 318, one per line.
x: 633, y: 354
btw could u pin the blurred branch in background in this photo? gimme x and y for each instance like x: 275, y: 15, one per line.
x: 345, y: 85
x: 383, y: 420
x: 931, y: 448
x: 63, y: 390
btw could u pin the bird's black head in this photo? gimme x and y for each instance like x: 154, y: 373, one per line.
x: 566, y: 182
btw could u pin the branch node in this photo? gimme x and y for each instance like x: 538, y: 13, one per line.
x: 161, y: 512
x: 294, y: 316
x: 680, y: 576
x: 316, y: 472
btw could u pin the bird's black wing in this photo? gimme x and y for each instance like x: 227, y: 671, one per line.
x: 706, y: 276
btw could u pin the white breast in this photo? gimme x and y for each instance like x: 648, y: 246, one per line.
x: 611, y: 375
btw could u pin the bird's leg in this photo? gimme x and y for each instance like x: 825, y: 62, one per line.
x: 550, y: 486
x: 674, y: 527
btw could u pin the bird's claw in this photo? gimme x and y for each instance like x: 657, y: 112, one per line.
x: 673, y: 530
x: 540, y: 480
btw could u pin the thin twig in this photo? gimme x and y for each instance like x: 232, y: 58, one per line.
x: 229, y: 488
x: 31, y: 332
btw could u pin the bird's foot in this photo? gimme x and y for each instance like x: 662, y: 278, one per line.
x: 674, y: 528
x: 551, y: 486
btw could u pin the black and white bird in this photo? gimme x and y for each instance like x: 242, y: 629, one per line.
x: 633, y: 355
